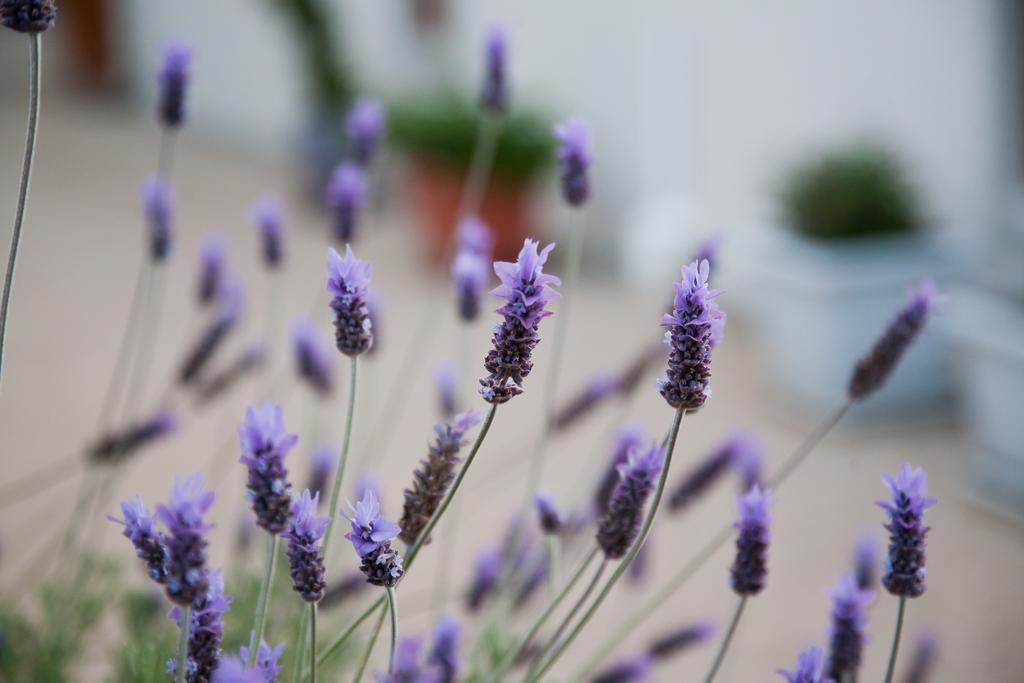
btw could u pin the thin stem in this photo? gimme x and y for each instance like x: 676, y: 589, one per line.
x: 393, y: 611
x: 312, y: 642
x: 552, y: 563
x: 554, y: 370
x: 126, y: 347
x: 369, y: 648
x: 300, y: 650
x: 347, y: 633
x: 707, y: 551
x: 414, y: 550
x: 720, y: 657
x: 473, y: 191
x: 645, y: 529
x: 34, y: 78
x: 152, y: 311
x: 891, y: 669
x: 264, y: 598
x: 339, y: 473
x: 182, y: 662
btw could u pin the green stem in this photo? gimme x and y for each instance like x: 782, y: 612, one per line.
x: 182, y: 661
x: 393, y: 611
x: 347, y: 633
x: 369, y: 647
x: 553, y: 547
x: 339, y: 474
x: 891, y: 669
x: 260, y: 621
x: 720, y: 657
x: 151, y: 315
x: 312, y: 642
x: 300, y: 650
x: 707, y: 551
x: 645, y: 529
x: 480, y: 165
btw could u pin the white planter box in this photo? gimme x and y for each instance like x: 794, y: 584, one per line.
x: 816, y: 308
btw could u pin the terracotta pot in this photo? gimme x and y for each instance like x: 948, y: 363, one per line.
x: 434, y: 191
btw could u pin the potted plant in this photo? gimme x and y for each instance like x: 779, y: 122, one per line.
x: 438, y: 133
x: 853, y: 240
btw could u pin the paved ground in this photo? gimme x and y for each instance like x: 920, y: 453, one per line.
x: 74, y: 284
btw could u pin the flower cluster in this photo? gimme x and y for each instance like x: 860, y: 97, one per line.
x: 486, y: 575
x: 435, y: 474
x: 621, y: 523
x: 266, y: 666
x: 364, y: 126
x: 598, y: 388
x: 345, y: 195
x: 527, y: 291
x: 574, y: 157
x: 494, y: 95
x: 212, y: 259
x: 149, y: 542
x: 118, y: 446
x: 265, y: 442
x: 186, y: 575
x: 371, y: 536
x: 347, y: 280
x: 904, y: 567
x: 446, y: 379
x: 312, y: 359
x: 407, y: 666
x: 741, y: 451
x: 751, y: 565
x: 173, y: 78
x: 444, y: 650
x: 247, y: 360
x: 638, y: 667
x: 809, y: 668
x: 322, y: 466
x: 695, y: 325
x: 231, y: 301
x: 846, y: 630
x: 28, y: 16
x: 158, y: 208
x: 548, y: 515
x: 268, y: 217
x: 627, y: 439
x: 865, y: 561
x: 205, y: 630
x: 304, y: 534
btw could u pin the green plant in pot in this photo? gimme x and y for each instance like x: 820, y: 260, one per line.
x: 438, y: 133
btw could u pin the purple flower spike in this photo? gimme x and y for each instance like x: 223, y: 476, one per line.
x: 446, y: 379
x: 407, y: 667
x: 150, y: 543
x: 158, y: 208
x: 808, y: 668
x: 741, y: 451
x: 119, y: 446
x: 495, y: 89
x: 345, y: 196
x: 550, y: 518
x: 694, y: 323
x: 574, y: 157
x: 348, y: 280
x: 621, y: 524
x: 371, y: 536
x: 173, y: 77
x: 626, y: 671
x: 444, y: 651
x: 232, y: 670
x: 923, y: 661
x: 485, y: 578
x: 874, y: 369
x: 28, y: 16
x: 364, y: 126
x: 681, y: 640
x: 865, y: 561
x: 304, y: 534
x: 751, y: 565
x: 435, y: 474
x: 531, y: 575
x: 231, y: 303
x: 904, y: 569
x: 527, y: 291
x: 601, y: 386
x: 186, y: 540
x: 627, y: 439
x: 268, y: 217
x: 205, y: 630
x: 312, y: 358
x: 212, y: 263
x: 266, y: 661
x: 846, y: 630
x: 322, y: 468
x: 265, y: 442
x: 747, y: 458
x: 469, y: 276
x: 473, y: 235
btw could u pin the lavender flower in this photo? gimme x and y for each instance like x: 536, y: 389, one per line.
x: 312, y: 359
x: 205, y: 630
x: 345, y: 196
x: 485, y: 578
x: 435, y: 474
x: 173, y: 79
x: 923, y: 661
x: 621, y: 524
x: 444, y: 651
x: 340, y: 591
x: 158, y: 208
x: 601, y: 386
x: 322, y: 468
x: 495, y: 89
x: 694, y: 323
x: 527, y: 291
x: 469, y: 276
x: 266, y: 661
x: 371, y: 536
x: 150, y: 543
x: 748, y: 458
x: 248, y: 360
x: 232, y: 670
x: 574, y: 157
x: 231, y: 299
x: 364, y: 126
x: 701, y: 477
x: 118, y: 446
x: 446, y: 379
x: 874, y: 369
x: 348, y: 279
x: 808, y: 668
x: 407, y: 667
x: 473, y: 235
x: 304, y: 534
x: 28, y: 16
x: 268, y: 216
x: 536, y: 570
x: 627, y: 439
x: 550, y: 519
x: 846, y: 631
x: 751, y: 565
x: 626, y: 670
x: 865, y: 561
x: 680, y: 640
x: 265, y: 442
x: 904, y: 569
x: 186, y: 574
x: 212, y: 258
